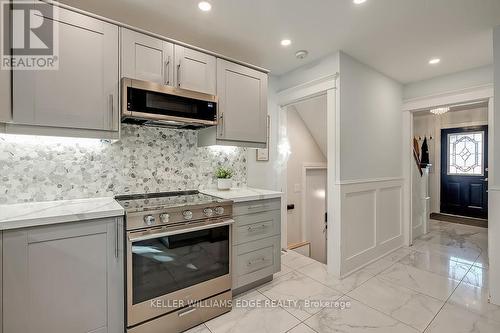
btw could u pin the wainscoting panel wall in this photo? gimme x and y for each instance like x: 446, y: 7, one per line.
x: 371, y: 221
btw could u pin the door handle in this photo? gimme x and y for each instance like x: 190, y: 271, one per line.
x: 485, y: 179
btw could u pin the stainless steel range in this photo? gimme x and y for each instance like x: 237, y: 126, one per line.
x: 178, y: 261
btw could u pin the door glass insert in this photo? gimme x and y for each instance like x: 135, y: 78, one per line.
x: 466, y: 153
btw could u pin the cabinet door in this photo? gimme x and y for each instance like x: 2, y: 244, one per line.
x: 242, y: 103
x: 64, y: 278
x: 147, y: 58
x: 5, y: 82
x: 83, y: 92
x: 195, y: 70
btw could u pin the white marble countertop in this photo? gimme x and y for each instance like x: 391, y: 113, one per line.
x: 243, y: 194
x: 51, y: 212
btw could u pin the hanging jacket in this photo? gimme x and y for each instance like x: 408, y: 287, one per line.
x: 425, y: 153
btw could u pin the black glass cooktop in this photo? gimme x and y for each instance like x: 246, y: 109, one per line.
x: 164, y: 200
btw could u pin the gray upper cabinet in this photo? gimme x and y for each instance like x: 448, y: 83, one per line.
x: 64, y: 278
x: 5, y: 91
x: 83, y: 92
x: 147, y: 58
x: 242, y: 105
x: 195, y: 70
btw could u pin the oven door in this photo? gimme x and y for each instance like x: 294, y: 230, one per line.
x: 169, y: 268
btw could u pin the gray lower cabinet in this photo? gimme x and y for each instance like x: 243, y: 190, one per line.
x: 256, y: 242
x: 81, y: 96
x: 64, y: 278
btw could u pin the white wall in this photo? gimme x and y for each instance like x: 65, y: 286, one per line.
x: 456, y: 81
x: 427, y: 124
x: 371, y: 175
x: 317, y: 69
x: 370, y: 123
x: 303, y: 149
x: 494, y: 184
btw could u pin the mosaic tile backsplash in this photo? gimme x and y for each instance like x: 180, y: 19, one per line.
x: 146, y: 159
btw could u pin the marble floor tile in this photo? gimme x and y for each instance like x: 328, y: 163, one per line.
x: 294, y: 260
x: 399, y: 254
x: 309, y: 295
x: 301, y: 328
x: 441, y: 264
x: 319, y: 272
x: 198, y: 329
x: 425, y: 282
x: 359, y: 318
x: 408, y: 306
x: 475, y: 299
x: 284, y: 270
x: 465, y: 254
x: 483, y: 261
x: 455, y: 319
x: 251, y: 318
x: 478, y: 277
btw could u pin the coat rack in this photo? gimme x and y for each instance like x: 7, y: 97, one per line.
x: 430, y: 137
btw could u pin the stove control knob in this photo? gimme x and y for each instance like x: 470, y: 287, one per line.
x: 219, y: 210
x: 165, y: 217
x: 149, y: 219
x: 208, y: 212
x: 188, y: 215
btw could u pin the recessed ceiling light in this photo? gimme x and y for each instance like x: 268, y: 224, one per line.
x: 434, y: 61
x: 286, y: 42
x: 204, y: 6
x: 358, y: 2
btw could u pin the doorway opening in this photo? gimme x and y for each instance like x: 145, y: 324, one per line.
x: 450, y: 169
x: 306, y: 177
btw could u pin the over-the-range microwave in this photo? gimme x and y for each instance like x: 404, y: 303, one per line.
x: 152, y: 104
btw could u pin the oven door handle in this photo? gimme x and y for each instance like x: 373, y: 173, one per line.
x: 159, y: 234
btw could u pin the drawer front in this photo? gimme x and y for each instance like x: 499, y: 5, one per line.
x: 257, y: 206
x: 255, y: 260
x: 252, y: 227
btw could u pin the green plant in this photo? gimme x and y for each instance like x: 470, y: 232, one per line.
x: 223, y: 173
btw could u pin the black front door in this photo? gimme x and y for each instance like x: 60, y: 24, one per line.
x: 464, y: 171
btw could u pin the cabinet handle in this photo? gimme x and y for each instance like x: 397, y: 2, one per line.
x: 262, y: 226
x: 116, y: 238
x: 179, y: 75
x: 186, y: 312
x: 221, y: 123
x: 263, y: 206
x: 167, y: 71
x: 256, y: 261
x: 112, y: 111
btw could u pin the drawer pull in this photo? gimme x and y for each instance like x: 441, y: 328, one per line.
x: 256, y: 261
x: 261, y: 227
x: 186, y: 312
x: 258, y: 206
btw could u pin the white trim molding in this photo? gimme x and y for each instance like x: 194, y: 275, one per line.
x: 371, y: 221
x: 473, y: 94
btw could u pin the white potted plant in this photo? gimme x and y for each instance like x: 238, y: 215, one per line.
x: 224, y: 180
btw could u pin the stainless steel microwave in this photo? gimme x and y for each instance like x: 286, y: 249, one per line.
x: 152, y: 104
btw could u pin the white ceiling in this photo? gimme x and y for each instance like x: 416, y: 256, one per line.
x: 397, y: 37
x: 313, y: 113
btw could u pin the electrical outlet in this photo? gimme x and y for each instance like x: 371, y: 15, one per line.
x: 296, y: 188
